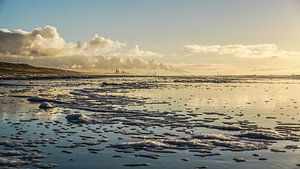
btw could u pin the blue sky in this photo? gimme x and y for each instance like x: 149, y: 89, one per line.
x: 166, y: 23
x: 165, y: 26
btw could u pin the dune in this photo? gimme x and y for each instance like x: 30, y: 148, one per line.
x: 23, y: 71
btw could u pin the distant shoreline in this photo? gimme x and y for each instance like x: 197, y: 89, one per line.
x: 221, y: 78
x: 19, y: 71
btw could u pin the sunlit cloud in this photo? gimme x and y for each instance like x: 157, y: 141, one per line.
x: 44, y: 46
x: 243, y: 51
x: 92, y: 62
x: 47, y: 42
x: 137, y: 52
x: 39, y: 42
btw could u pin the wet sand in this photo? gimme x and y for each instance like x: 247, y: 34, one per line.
x: 149, y: 122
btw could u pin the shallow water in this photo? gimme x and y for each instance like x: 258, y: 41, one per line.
x: 160, y: 110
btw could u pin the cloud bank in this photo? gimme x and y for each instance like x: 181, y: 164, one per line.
x: 39, y: 42
x: 243, y: 51
x: 92, y: 62
x: 137, y: 52
x: 45, y: 47
x: 47, y: 42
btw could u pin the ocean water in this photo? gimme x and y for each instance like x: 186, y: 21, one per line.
x: 151, y: 122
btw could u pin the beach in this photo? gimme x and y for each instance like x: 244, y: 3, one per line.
x: 150, y: 122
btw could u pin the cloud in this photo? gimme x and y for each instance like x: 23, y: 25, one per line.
x: 243, y: 51
x: 96, y: 46
x: 229, y: 69
x: 45, y: 47
x: 42, y: 42
x: 137, y: 52
x: 92, y: 62
x: 47, y: 42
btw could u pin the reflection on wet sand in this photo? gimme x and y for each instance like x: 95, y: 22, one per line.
x: 148, y: 122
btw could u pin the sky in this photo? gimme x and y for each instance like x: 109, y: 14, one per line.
x: 196, y: 36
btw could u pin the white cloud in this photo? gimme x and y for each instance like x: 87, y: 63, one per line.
x: 45, y: 47
x: 96, y: 46
x: 244, y: 51
x: 91, y: 62
x: 137, y: 52
x: 41, y: 41
x: 102, y: 44
x: 47, y: 42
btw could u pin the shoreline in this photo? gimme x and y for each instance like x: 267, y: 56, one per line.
x: 21, y: 71
x: 185, y: 77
